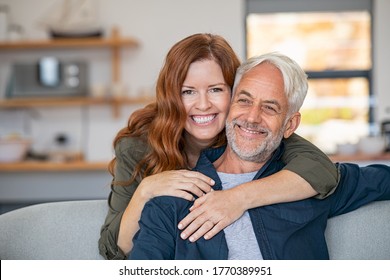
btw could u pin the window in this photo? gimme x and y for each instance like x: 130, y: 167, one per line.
x: 331, y: 40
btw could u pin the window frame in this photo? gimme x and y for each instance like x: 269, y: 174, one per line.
x: 288, y: 6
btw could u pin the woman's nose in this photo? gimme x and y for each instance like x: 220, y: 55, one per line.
x: 203, y: 102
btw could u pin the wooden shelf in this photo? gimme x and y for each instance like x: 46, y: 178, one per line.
x: 115, y: 42
x: 34, y: 102
x: 70, y: 43
x: 68, y: 101
x: 36, y: 166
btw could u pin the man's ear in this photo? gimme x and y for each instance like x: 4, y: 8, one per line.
x: 292, y: 124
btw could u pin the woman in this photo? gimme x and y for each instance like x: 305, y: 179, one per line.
x: 164, y: 139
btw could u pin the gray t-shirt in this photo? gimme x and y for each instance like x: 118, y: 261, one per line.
x: 240, y: 237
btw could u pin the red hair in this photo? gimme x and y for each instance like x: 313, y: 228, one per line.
x: 162, y: 123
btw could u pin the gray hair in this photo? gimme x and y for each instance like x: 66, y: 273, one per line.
x: 295, y: 79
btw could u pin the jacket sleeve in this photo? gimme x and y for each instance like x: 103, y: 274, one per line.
x: 155, y: 240
x: 309, y: 162
x: 359, y: 186
x: 128, y: 152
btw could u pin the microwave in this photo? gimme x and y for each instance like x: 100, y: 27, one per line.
x: 49, y: 77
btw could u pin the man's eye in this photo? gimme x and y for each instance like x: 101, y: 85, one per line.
x: 243, y: 101
x: 270, y: 110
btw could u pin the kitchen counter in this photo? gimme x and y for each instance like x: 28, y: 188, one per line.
x: 362, y: 158
x: 45, y: 166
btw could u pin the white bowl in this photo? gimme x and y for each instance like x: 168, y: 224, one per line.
x: 13, y: 150
x: 373, y: 145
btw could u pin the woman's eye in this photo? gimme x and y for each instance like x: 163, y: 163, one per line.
x: 215, y: 90
x: 187, y: 92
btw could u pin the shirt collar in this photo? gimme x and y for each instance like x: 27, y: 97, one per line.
x: 208, y: 156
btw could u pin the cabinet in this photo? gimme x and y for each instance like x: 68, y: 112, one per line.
x: 114, y: 43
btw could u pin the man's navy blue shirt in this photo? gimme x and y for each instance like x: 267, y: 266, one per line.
x: 293, y: 230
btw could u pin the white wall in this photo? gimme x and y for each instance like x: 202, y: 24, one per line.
x: 382, y: 59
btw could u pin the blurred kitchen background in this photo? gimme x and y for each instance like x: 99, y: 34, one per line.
x: 71, y: 72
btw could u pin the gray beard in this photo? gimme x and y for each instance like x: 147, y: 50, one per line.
x: 262, y: 151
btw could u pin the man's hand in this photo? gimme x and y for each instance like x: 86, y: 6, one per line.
x: 210, y: 214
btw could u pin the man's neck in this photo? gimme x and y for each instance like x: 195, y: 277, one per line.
x: 229, y: 162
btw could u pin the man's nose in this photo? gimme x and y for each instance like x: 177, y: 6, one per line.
x: 254, y: 114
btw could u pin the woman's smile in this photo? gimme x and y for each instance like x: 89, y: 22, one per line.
x: 204, y: 119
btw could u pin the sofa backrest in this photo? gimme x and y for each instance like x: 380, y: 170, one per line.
x: 363, y: 234
x: 53, y: 231
x: 70, y: 230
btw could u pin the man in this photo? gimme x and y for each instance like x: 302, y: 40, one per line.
x: 269, y: 91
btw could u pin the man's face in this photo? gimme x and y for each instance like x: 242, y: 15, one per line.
x: 257, y: 119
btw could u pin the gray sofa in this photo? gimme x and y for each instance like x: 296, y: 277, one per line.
x: 70, y: 230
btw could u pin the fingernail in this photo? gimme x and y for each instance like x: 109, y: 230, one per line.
x: 180, y: 226
x: 183, y: 236
x: 192, y: 239
x: 212, y: 181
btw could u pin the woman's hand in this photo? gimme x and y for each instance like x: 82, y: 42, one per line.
x: 211, y: 213
x: 180, y: 183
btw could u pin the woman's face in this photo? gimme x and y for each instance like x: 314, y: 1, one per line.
x: 206, y: 98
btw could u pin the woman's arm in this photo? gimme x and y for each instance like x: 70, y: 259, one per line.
x: 120, y: 196
x: 127, y: 202
x: 308, y: 172
x: 309, y: 162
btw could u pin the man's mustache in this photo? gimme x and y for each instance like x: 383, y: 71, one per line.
x: 250, y: 126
